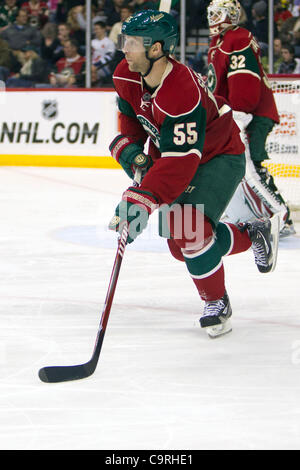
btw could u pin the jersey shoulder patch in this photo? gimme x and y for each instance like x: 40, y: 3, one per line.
x: 236, y: 40
x: 179, y: 93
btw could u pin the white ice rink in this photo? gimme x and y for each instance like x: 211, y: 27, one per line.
x: 161, y: 383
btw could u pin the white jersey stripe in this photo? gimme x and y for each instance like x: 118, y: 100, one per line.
x: 182, y: 154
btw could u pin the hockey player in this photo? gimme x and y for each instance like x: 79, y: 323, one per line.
x: 236, y: 73
x: 195, y: 161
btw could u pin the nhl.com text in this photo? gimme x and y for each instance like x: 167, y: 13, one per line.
x: 29, y: 133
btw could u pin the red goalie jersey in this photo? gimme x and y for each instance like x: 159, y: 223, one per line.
x: 236, y: 73
x: 187, y: 125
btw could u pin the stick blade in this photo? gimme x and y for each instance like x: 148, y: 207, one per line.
x: 54, y: 374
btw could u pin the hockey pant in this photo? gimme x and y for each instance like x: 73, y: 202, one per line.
x: 203, y: 255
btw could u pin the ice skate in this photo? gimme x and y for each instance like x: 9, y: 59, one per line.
x: 264, y: 234
x: 286, y: 227
x: 287, y: 230
x: 215, y: 318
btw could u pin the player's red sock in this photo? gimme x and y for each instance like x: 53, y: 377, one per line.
x: 231, y: 240
x: 211, y: 287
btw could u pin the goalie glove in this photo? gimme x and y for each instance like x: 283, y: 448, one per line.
x: 134, y: 209
x: 130, y: 155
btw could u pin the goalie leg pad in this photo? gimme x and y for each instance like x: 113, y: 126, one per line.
x: 254, y: 198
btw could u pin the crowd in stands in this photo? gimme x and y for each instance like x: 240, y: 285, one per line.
x: 286, y: 45
x: 43, y: 43
x: 254, y: 17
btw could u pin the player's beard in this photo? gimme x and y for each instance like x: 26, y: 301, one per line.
x: 137, y: 64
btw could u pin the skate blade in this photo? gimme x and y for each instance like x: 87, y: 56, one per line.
x: 275, y: 226
x: 287, y: 232
x: 219, y: 330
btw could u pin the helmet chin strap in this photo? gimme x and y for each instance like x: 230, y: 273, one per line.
x: 151, y: 64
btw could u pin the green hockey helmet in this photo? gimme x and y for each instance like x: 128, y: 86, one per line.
x: 151, y: 26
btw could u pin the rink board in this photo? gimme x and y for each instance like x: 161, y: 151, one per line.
x: 58, y: 127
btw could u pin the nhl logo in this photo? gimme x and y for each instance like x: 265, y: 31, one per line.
x: 49, y: 109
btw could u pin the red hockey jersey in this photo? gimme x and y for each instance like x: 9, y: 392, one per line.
x: 187, y: 125
x: 76, y: 64
x: 236, y: 73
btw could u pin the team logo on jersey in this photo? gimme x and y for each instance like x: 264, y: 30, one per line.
x: 49, y: 109
x: 156, y: 17
x: 145, y: 101
x: 211, y: 78
x: 151, y: 130
x: 140, y: 159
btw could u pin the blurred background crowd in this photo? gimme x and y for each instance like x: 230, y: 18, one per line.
x: 43, y: 43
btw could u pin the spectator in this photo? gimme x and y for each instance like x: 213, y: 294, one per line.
x: 33, y: 71
x: 8, y: 62
x: 112, y: 10
x: 4, y: 60
x: 75, y: 30
x: 53, y: 46
x: 260, y: 24
x: 52, y: 10
x: 8, y: 14
x: 281, y: 13
x: 277, y: 57
x: 100, y: 9
x: 63, y: 31
x: 81, y: 15
x: 247, y: 7
x: 63, y: 8
x: 140, y: 5
x: 69, y: 70
x: 38, y: 12
x: 290, y: 64
x: 103, y: 50
x: 50, y: 42
x: 286, y: 30
x: 296, y: 36
x: 296, y: 8
x: 277, y: 48
x: 125, y: 12
x: 20, y: 34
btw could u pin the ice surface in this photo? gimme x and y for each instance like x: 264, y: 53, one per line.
x: 161, y: 383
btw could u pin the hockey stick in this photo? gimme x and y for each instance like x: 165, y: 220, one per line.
x: 52, y: 374
x: 165, y: 5
x: 81, y: 371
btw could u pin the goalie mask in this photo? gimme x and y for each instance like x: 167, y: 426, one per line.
x: 221, y: 14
